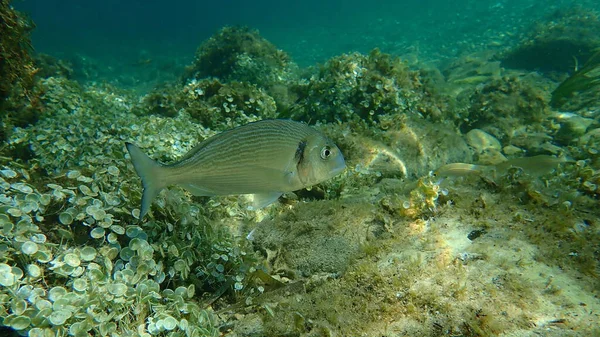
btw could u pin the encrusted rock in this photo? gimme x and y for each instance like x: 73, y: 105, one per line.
x: 510, y: 150
x: 480, y: 141
x: 591, y: 135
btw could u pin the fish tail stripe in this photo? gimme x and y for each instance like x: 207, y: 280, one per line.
x: 148, y: 170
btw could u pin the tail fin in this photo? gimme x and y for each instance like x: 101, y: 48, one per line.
x: 149, y: 171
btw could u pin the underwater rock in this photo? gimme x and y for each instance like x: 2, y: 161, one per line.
x: 356, y: 86
x: 240, y: 54
x: 572, y: 128
x: 505, y: 104
x: 532, y: 138
x: 487, y: 148
x: 491, y: 156
x: 250, y: 325
x: 408, y: 149
x: 565, y: 39
x: 467, y: 72
x: 214, y: 104
x: 590, y: 136
x: 473, y: 69
x: 511, y: 150
x: 16, y: 70
x: 480, y: 141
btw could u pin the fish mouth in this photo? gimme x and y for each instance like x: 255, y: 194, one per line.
x: 338, y: 170
x: 340, y: 167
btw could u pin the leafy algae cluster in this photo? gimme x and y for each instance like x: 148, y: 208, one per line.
x: 502, y: 104
x: 240, y: 54
x: 16, y: 70
x: 211, y: 102
x: 362, y: 87
x: 232, y: 81
x: 74, y: 258
x: 386, y: 248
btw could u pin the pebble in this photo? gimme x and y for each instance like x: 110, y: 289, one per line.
x: 593, y: 134
x: 491, y: 157
x: 511, y: 150
x: 480, y: 141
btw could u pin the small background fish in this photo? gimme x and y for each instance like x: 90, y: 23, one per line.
x: 536, y: 165
x: 265, y: 158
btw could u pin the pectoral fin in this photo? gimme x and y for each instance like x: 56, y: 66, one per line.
x: 264, y: 199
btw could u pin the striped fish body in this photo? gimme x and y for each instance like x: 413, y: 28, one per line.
x: 265, y: 158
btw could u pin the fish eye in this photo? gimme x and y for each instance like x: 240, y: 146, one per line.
x: 325, y: 152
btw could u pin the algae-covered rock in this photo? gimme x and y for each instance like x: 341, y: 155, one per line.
x: 250, y: 325
x: 50, y: 66
x: 471, y: 70
x: 481, y: 140
x: 505, y: 104
x: 486, y: 147
x: 424, y: 146
x: 408, y: 148
x: 214, y: 104
x: 16, y: 76
x: 240, y: 54
x: 572, y: 127
x: 563, y: 40
x: 357, y: 86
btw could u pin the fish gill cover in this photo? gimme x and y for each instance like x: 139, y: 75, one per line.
x: 468, y: 206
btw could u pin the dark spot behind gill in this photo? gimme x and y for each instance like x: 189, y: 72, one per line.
x: 299, y: 156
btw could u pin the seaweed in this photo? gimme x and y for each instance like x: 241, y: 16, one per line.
x: 584, y: 82
x: 372, y: 87
x: 16, y: 69
x: 239, y: 54
x: 552, y: 44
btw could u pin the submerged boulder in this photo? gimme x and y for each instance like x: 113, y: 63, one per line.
x: 240, y: 54
x: 566, y: 39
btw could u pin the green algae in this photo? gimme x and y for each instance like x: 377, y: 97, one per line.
x: 556, y: 42
x: 383, y: 249
x: 586, y: 79
x: 16, y: 76
x: 210, y: 102
x: 360, y: 87
x: 240, y: 54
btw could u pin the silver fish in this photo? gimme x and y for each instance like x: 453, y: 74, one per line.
x: 265, y: 158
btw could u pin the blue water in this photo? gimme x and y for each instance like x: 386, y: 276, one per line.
x: 311, y: 31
